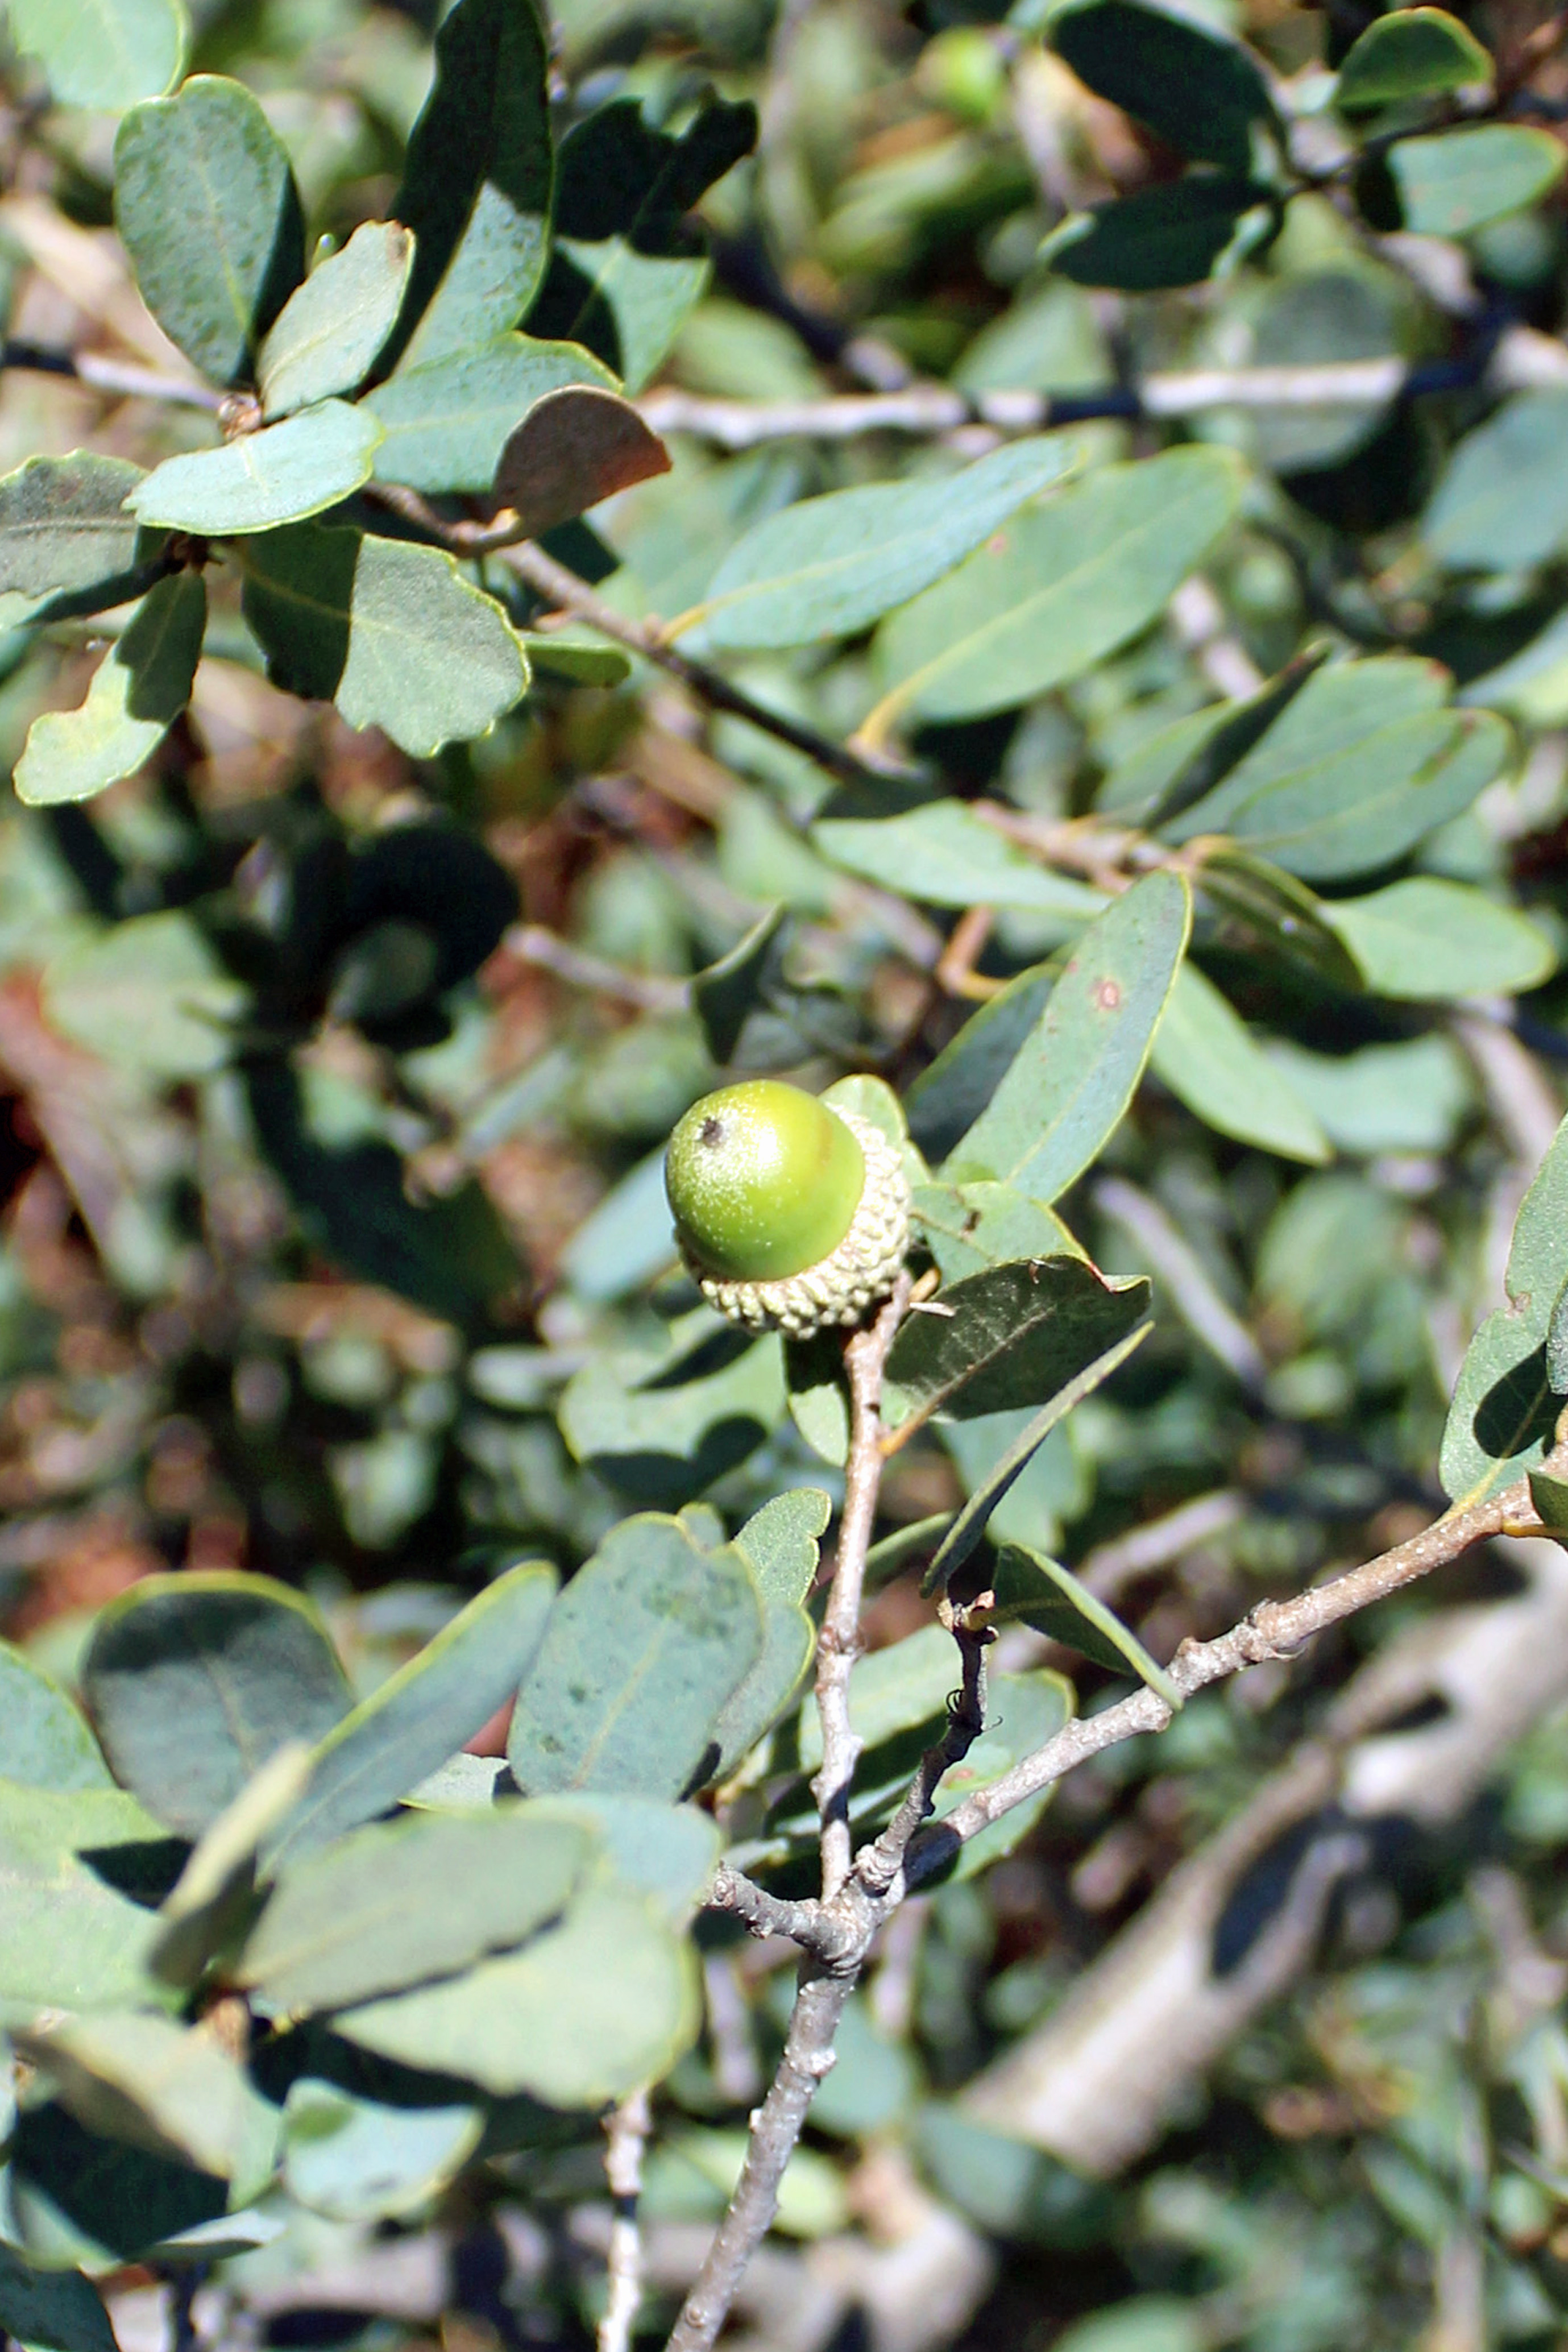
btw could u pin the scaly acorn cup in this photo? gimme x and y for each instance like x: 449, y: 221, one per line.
x: 791, y: 1215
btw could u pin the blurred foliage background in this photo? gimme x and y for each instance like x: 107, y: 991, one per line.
x: 372, y: 1326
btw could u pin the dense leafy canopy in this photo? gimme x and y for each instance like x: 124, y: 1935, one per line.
x: 1011, y: 567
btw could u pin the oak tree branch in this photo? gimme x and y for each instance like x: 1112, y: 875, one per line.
x: 837, y: 1933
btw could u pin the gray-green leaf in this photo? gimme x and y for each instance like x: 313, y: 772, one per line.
x: 1461, y: 179
x: 162, y: 2087
x: 423, y: 1713
x: 660, y: 1428
x: 446, y: 423
x: 968, y: 1227
x: 194, y: 1680
x: 390, y: 1904
x: 1010, y: 1337
x: 1367, y: 760
x: 830, y: 566
x: 137, y: 690
x: 355, y: 2159
x: 391, y: 632
x: 1199, y: 91
x: 1425, y: 938
x: 1208, y: 1058
x: 55, y: 2310
x: 326, y: 336
x: 67, y: 1940
x: 946, y: 855
x: 642, y: 1650
x: 148, y: 995
x: 626, y: 269
x: 1073, y: 1077
x: 44, y: 1742
x: 584, y: 2013
x: 477, y: 185
x: 1412, y: 53
x: 1504, y: 1413
x: 206, y: 208
x: 65, y: 532
x: 1031, y: 1589
x: 1176, y: 234
x: 988, y: 1493
x: 947, y: 1098
x: 211, y: 1906
x: 1502, y: 501
x: 1055, y: 590
x: 103, y: 54
x: 781, y: 1543
x: 280, y: 474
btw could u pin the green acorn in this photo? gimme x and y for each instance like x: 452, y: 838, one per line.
x: 792, y: 1215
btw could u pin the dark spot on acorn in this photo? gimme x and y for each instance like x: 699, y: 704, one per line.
x: 712, y: 1131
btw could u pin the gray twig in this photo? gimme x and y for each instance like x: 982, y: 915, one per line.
x: 842, y: 1930
x: 776, y: 2127
x: 1520, y: 357
x: 532, y: 943
x: 839, y: 1642
x: 843, y: 1926
x: 566, y: 593
x: 1274, y: 1629
x: 627, y: 2132
x: 762, y: 1913
x: 123, y: 377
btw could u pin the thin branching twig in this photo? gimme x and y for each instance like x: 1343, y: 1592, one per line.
x: 1274, y: 1629
x: 1520, y: 357
x: 836, y: 1935
x: 125, y: 378
x: 625, y: 2138
x: 925, y: 410
x: 830, y: 1967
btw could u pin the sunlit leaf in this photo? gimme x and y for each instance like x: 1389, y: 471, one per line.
x: 1071, y: 1079
x: 1055, y: 590
x: 105, y: 54
x: 832, y: 565
x: 331, y: 326
x: 1479, y: 171
x: 206, y: 204
x: 391, y: 632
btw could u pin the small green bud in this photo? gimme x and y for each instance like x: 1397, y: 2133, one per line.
x: 790, y: 1213
x: 962, y: 70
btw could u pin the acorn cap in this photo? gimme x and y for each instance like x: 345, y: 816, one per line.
x: 838, y: 1288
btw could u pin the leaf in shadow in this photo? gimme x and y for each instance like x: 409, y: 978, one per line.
x: 574, y: 447
x: 1518, y: 1411
x: 450, y: 1255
